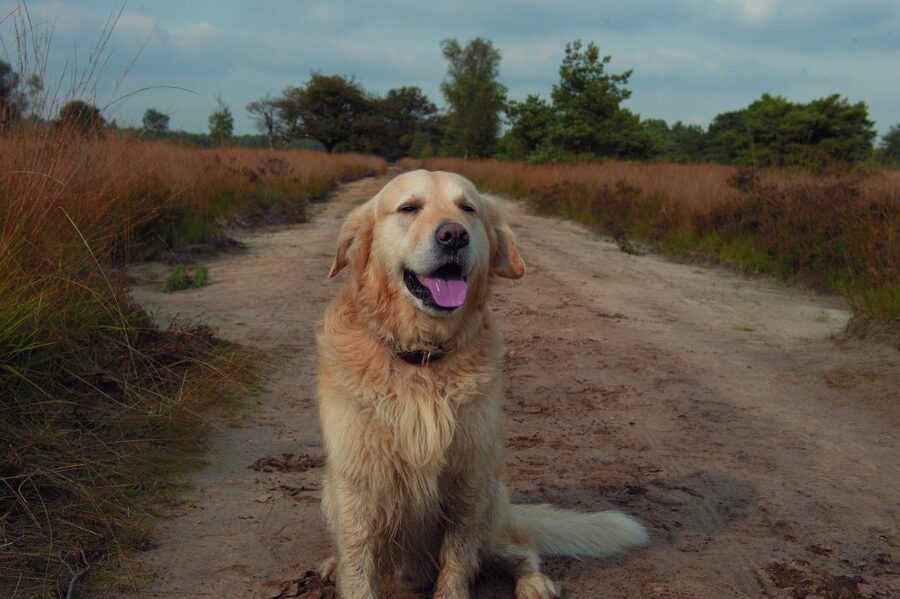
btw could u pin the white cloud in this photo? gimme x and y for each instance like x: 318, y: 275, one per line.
x: 530, y: 57
x: 751, y: 12
x: 135, y: 24
x: 193, y: 37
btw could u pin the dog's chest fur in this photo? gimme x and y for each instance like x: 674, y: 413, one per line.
x: 401, y: 435
x: 413, y: 426
x: 423, y: 416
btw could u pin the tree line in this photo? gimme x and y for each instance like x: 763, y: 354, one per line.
x: 583, y: 117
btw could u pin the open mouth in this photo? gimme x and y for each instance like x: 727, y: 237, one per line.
x: 443, y: 289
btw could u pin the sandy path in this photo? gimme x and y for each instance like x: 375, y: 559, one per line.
x: 763, y: 456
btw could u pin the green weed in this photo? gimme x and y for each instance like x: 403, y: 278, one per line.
x: 176, y: 280
x: 200, y: 277
x: 179, y: 278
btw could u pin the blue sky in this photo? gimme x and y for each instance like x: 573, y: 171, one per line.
x: 692, y: 59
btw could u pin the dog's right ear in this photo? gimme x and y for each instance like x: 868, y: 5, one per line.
x: 355, y: 240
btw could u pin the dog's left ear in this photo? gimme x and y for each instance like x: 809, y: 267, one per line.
x: 354, y: 241
x: 505, y: 259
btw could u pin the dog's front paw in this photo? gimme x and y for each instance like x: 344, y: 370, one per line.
x: 535, y: 585
x: 328, y: 568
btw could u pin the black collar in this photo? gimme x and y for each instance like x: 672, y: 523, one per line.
x: 420, y: 357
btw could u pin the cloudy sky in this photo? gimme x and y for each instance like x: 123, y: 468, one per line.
x: 691, y: 58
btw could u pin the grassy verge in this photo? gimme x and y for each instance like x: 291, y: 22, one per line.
x: 101, y: 412
x: 163, y: 197
x: 840, y: 233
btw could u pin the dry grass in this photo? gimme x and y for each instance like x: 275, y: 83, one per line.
x: 157, y: 195
x: 700, y: 186
x: 100, y: 411
x: 840, y: 232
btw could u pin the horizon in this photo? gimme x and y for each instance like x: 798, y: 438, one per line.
x: 692, y: 59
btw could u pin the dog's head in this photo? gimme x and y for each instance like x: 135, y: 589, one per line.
x: 430, y: 239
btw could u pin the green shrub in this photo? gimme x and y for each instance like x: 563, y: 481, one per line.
x: 200, y: 277
x: 176, y: 280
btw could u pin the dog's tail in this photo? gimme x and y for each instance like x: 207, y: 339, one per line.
x: 556, y: 531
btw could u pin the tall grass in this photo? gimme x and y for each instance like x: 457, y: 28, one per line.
x: 100, y: 409
x: 838, y: 232
x: 147, y: 197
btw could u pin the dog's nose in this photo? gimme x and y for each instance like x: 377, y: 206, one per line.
x: 452, y: 236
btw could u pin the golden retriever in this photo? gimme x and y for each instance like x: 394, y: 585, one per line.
x: 409, y: 388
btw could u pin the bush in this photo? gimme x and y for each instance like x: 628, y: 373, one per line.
x: 179, y: 279
x: 176, y: 280
x: 200, y: 278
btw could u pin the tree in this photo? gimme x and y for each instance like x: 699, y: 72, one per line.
x: 530, y: 123
x: 659, y: 135
x: 625, y: 134
x: 12, y: 100
x: 589, y: 119
x: 329, y: 109
x: 265, y: 114
x: 409, y: 118
x: 155, y: 122
x: 774, y: 131
x: 836, y: 131
x: 688, y: 143
x: 34, y: 90
x: 81, y: 117
x: 427, y: 139
x: 727, y: 138
x: 769, y: 130
x: 221, y: 123
x: 339, y: 114
x: 890, y: 145
x: 823, y: 132
x: 474, y: 95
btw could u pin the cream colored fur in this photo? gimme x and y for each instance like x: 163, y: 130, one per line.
x: 413, y: 478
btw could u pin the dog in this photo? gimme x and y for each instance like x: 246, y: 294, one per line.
x: 409, y: 391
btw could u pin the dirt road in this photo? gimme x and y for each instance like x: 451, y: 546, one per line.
x: 763, y: 456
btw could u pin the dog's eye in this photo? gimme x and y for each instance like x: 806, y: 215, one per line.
x: 467, y: 208
x: 408, y: 208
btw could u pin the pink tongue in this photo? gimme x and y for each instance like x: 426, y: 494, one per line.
x: 447, y: 293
